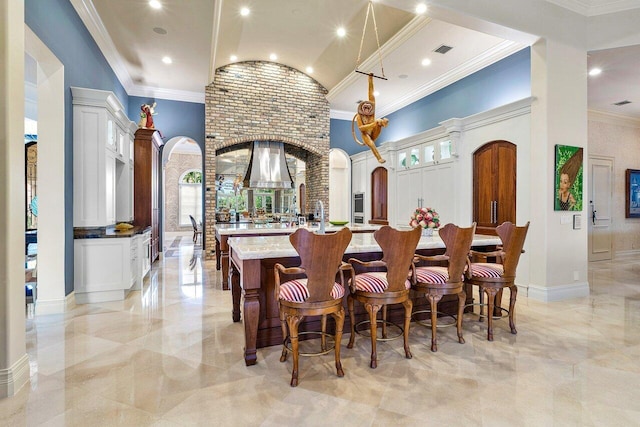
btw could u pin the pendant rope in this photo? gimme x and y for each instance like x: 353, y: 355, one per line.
x: 364, y: 31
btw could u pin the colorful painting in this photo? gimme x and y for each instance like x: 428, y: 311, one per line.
x: 632, y: 198
x: 568, y: 183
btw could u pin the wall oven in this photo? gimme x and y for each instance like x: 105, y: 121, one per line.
x: 358, y: 208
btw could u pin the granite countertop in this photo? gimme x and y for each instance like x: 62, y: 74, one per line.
x: 239, y: 228
x: 107, y: 232
x: 261, y: 247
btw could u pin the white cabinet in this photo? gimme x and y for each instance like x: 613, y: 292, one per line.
x: 408, y: 191
x: 102, y: 269
x: 101, y: 131
x: 144, y: 255
x: 437, y: 152
x: 409, y: 158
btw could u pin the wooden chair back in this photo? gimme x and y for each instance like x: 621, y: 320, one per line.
x: 320, y: 257
x: 398, y: 248
x: 512, y: 238
x: 457, y: 241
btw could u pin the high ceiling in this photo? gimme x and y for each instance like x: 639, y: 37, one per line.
x: 201, y: 35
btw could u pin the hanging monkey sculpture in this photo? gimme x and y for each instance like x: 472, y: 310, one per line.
x: 369, y: 126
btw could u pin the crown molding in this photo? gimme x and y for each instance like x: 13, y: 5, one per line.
x: 170, y: 94
x: 89, y: 16
x: 588, y: 8
x: 613, y: 119
x: 408, y: 31
x: 495, y: 54
x: 341, y: 114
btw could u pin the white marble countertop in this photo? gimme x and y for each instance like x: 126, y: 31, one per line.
x: 240, y: 228
x: 261, y: 247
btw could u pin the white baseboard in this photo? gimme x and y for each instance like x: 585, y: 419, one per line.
x: 558, y: 293
x: 55, y: 306
x: 15, y: 377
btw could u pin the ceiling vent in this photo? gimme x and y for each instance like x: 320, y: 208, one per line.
x: 622, y: 103
x: 443, y: 49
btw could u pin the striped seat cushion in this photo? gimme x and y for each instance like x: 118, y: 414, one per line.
x: 437, y: 275
x: 375, y: 282
x: 296, y: 290
x: 486, y: 269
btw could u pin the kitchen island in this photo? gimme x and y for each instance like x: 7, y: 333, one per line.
x: 252, y: 276
x: 224, y: 231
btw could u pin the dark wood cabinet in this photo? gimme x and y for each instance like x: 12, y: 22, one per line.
x: 379, y: 196
x: 146, y: 159
x: 494, y: 185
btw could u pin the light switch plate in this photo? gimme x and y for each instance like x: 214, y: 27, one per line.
x: 577, y: 222
x: 565, y: 219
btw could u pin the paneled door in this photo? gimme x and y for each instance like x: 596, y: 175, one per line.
x: 494, y: 185
x: 379, y: 196
x: 600, y: 203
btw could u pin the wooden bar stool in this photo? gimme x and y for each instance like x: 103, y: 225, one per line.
x: 492, y: 278
x: 377, y: 289
x: 315, y: 294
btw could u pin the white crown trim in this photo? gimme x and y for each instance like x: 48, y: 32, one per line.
x: 171, y: 94
x: 495, y: 54
x: 89, y: 15
x: 341, y: 114
x: 408, y: 31
x: 613, y: 119
x: 586, y: 8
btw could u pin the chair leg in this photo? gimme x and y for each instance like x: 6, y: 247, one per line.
x: 293, y: 322
x: 512, y: 306
x: 283, y: 325
x: 481, y: 299
x: 323, y: 338
x: 339, y: 318
x: 352, y: 317
x: 491, y: 296
x: 433, y: 302
x: 462, y: 296
x: 384, y: 321
x: 408, y: 308
x: 373, y: 314
x: 496, y: 308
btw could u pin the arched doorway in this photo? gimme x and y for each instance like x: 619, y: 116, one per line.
x: 182, y: 191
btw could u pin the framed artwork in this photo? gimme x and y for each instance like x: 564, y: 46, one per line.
x: 632, y: 198
x: 568, y: 182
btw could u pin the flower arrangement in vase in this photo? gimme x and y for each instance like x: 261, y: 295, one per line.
x: 427, y: 218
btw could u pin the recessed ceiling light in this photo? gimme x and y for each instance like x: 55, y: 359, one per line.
x: 421, y: 8
x: 426, y: 62
x: 159, y: 30
x: 167, y: 60
x: 273, y: 57
x: 245, y: 11
x: 155, y: 4
x: 341, y: 32
x: 233, y: 58
x: 403, y: 76
x: 595, y: 71
x: 309, y: 70
x: 376, y: 93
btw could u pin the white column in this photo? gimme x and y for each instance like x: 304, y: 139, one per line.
x: 51, y: 176
x: 558, y: 253
x: 14, y: 362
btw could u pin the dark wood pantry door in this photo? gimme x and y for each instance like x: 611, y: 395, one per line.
x: 494, y: 185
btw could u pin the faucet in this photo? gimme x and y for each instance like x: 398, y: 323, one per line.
x: 319, y: 203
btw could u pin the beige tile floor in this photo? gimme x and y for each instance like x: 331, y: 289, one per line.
x: 169, y: 355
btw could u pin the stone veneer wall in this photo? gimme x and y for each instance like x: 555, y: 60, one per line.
x: 173, y: 170
x: 265, y: 101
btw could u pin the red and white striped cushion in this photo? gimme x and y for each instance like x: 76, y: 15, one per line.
x: 375, y: 282
x: 487, y: 269
x: 296, y: 290
x: 437, y: 275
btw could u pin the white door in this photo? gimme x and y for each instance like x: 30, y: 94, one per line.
x: 600, y: 206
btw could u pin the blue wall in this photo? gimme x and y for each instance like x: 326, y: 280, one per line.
x: 59, y: 27
x: 173, y: 118
x: 505, y: 81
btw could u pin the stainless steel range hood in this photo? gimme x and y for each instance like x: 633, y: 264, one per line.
x: 267, y: 167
